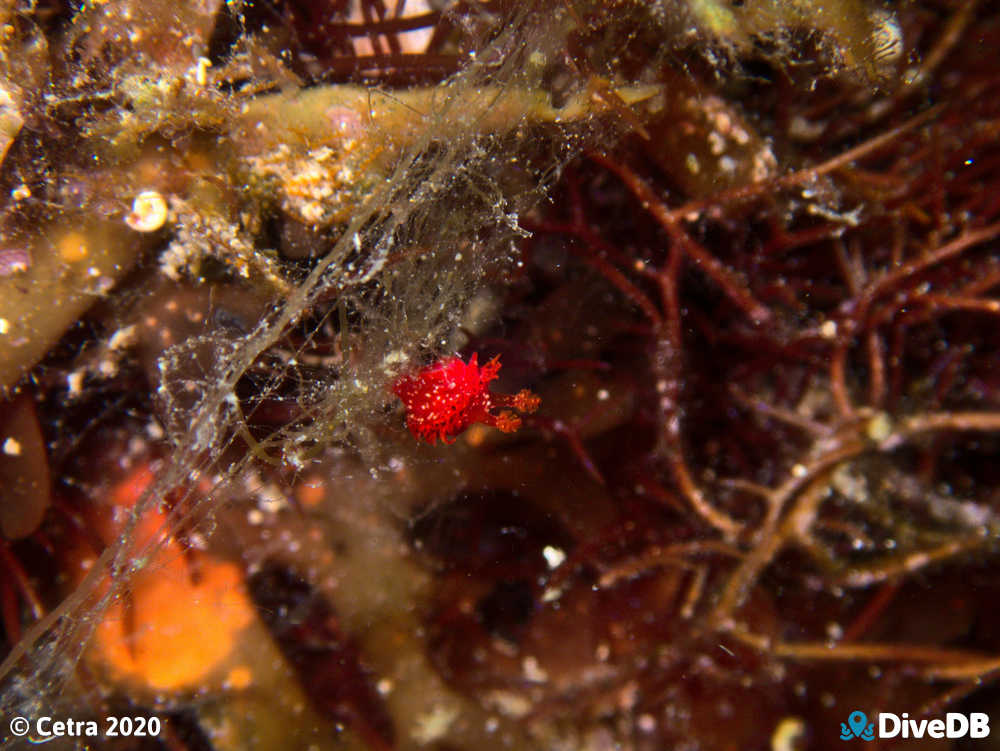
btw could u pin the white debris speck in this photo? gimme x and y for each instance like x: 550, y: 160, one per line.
x: 508, y: 703
x: 879, y: 428
x: 432, y: 726
x: 553, y: 556
x: 716, y: 143
x: 787, y: 734
x: 395, y: 357
x: 551, y: 594
x: 201, y: 71
x: 74, y: 382
x: 532, y: 671
x: 149, y: 212
x: 11, y: 447
x: 803, y: 130
x: 122, y: 338
x: 4, y: 326
x: 647, y: 723
x: 270, y: 498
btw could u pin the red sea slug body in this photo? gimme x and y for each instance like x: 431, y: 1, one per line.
x: 445, y: 398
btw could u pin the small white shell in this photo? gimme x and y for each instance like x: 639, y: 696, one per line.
x: 149, y: 212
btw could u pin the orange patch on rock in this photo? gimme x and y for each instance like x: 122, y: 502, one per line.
x: 177, y: 633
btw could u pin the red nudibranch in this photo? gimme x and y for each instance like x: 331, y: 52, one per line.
x: 448, y: 396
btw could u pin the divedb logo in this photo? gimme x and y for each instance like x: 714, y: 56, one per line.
x: 954, y: 725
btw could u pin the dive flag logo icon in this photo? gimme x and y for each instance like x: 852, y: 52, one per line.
x: 857, y: 726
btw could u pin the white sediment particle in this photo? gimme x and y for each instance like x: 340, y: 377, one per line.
x: 553, y: 556
x: 432, y: 726
x: 11, y: 447
x: 149, y: 212
x: 532, y: 671
x: 122, y: 338
x: 201, y: 71
x: 74, y: 382
x: 716, y: 143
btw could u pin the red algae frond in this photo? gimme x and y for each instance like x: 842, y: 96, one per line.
x: 445, y: 398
